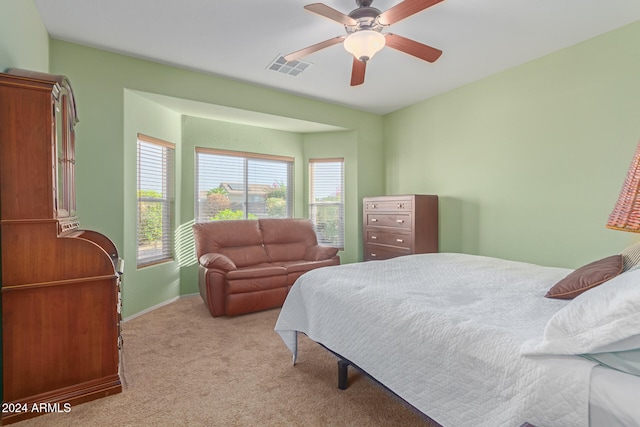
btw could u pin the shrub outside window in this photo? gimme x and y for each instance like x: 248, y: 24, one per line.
x: 239, y: 185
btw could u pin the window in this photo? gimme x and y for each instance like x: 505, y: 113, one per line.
x: 326, y: 200
x: 234, y: 185
x: 155, y: 200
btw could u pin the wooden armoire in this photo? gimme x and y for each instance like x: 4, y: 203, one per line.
x: 60, y: 283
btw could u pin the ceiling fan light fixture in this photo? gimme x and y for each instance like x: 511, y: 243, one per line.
x: 364, y: 44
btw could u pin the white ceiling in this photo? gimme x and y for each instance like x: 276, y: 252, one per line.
x: 239, y: 39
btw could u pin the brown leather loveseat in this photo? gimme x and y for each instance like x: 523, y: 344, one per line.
x: 250, y: 265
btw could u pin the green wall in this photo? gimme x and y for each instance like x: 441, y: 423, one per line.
x: 344, y: 145
x: 24, y: 42
x: 155, y: 284
x: 110, y: 92
x: 529, y: 162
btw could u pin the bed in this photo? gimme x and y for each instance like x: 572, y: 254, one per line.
x: 471, y: 340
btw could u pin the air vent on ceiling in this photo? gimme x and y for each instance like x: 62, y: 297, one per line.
x: 293, y: 68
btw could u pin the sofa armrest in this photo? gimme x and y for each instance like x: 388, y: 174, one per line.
x: 219, y: 261
x: 319, y: 253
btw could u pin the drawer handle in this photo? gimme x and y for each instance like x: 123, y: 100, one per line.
x: 374, y: 237
x: 373, y: 206
x: 400, y: 240
x: 400, y: 205
x: 374, y: 254
x: 374, y: 220
x: 400, y: 221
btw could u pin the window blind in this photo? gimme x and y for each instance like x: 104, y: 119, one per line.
x: 155, y: 200
x: 326, y: 200
x: 235, y: 185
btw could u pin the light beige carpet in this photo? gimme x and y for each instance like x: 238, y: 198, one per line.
x: 184, y: 368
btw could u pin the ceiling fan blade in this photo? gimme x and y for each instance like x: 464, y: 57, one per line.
x: 403, y: 10
x: 313, y: 48
x: 412, y: 47
x: 329, y: 12
x: 357, y: 72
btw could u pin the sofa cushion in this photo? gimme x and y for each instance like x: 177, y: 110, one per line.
x: 246, y: 256
x: 219, y: 261
x: 213, y: 235
x: 319, y: 253
x: 240, y: 240
x: 287, y: 239
x: 295, y: 266
x: 278, y: 252
x: 254, y: 284
x: 259, y: 270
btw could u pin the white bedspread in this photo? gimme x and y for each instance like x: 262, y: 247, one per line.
x: 443, y: 331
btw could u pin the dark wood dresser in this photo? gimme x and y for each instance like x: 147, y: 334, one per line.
x: 60, y: 284
x: 399, y: 225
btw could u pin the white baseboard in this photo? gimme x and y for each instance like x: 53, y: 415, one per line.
x: 162, y: 304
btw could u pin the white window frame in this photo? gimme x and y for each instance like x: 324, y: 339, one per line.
x: 155, y: 173
x: 322, y: 174
x: 244, y: 198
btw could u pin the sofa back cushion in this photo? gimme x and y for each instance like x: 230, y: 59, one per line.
x: 240, y: 240
x: 287, y: 239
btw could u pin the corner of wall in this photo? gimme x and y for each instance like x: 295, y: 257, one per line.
x: 24, y: 41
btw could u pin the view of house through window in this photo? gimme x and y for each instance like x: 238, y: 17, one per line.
x: 155, y: 200
x: 235, y: 185
x: 326, y: 200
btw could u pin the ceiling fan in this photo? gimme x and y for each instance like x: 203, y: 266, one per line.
x: 364, y: 37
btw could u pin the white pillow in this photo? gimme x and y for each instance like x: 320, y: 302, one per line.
x: 603, y: 319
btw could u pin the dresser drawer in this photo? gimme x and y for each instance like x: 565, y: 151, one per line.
x: 388, y: 205
x: 378, y: 252
x: 397, y: 238
x: 397, y: 220
x: 397, y: 225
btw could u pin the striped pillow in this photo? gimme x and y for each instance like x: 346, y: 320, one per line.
x: 631, y: 257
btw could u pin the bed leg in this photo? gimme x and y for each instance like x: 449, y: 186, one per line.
x: 343, y: 381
